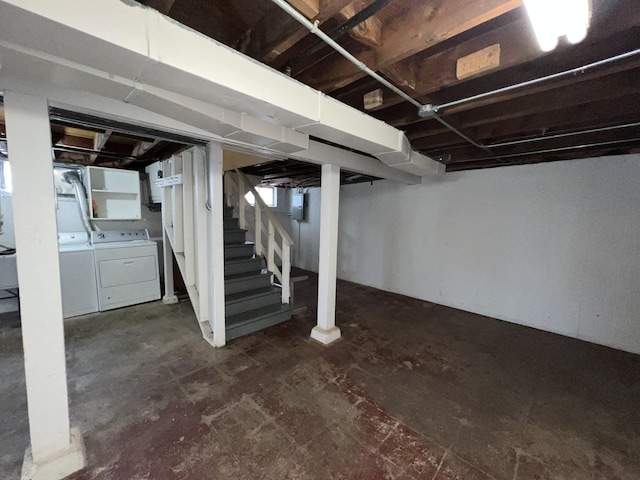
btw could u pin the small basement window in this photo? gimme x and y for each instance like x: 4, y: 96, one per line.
x: 268, y: 195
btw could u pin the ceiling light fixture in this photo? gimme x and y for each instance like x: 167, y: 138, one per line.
x: 552, y: 19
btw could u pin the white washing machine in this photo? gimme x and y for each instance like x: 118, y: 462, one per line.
x: 77, y: 274
x: 126, y: 265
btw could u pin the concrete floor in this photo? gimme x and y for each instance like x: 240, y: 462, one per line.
x: 413, y: 390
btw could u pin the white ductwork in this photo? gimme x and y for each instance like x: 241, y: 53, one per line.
x: 131, y: 53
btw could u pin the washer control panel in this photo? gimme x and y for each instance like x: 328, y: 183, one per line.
x: 111, y: 236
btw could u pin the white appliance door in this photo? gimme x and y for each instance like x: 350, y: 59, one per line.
x: 78, y: 279
x: 127, y: 271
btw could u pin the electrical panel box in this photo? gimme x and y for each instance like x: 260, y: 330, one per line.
x: 297, y: 206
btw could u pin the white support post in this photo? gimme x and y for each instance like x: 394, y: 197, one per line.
x: 167, y: 212
x: 258, y: 232
x: 326, y: 330
x: 216, y: 245
x: 242, y: 205
x: 56, y: 451
x: 271, y: 247
x: 188, y: 218
x: 169, y: 297
x: 176, y: 205
x: 202, y: 230
x: 286, y: 273
x: 227, y: 189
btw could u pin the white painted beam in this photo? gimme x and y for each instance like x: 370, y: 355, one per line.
x: 321, y: 153
x: 55, y: 451
x: 146, y: 58
x: 216, y: 244
x: 99, y: 143
x: 326, y: 330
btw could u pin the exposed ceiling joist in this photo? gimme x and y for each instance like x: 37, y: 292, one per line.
x: 99, y: 143
x: 439, y: 52
x: 416, y: 30
x: 276, y: 32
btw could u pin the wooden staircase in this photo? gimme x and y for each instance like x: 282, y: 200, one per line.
x: 252, y: 302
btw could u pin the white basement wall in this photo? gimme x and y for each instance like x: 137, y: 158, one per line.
x: 555, y: 246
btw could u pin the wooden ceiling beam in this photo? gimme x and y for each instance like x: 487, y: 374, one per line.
x: 576, y: 94
x: 277, y: 31
x: 586, y: 116
x: 369, y: 32
x: 421, y: 27
x: 608, y: 110
x: 604, y: 78
x: 469, y: 152
x: 517, y: 47
x: 309, y: 8
x: 404, y: 75
x: 99, y: 142
x: 591, y: 152
x: 71, y: 140
x: 404, y: 115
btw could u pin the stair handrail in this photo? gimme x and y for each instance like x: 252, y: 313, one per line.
x: 273, y: 226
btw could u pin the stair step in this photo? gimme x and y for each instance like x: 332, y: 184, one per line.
x: 239, y: 250
x: 234, y: 236
x: 227, y: 212
x: 260, y: 298
x: 231, y: 224
x: 256, y: 320
x: 245, y: 282
x: 243, y: 265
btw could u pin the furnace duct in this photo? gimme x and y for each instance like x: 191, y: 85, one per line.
x: 73, y: 178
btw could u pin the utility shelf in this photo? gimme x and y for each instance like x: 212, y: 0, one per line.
x: 114, y: 194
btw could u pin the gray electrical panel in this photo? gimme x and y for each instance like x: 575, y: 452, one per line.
x: 297, y: 206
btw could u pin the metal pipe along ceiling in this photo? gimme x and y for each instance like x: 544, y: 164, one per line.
x: 431, y: 111
x: 564, y: 135
x: 313, y: 28
x: 557, y: 149
x: 339, y: 31
x: 535, y: 81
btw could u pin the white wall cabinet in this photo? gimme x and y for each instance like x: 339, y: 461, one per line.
x: 114, y: 194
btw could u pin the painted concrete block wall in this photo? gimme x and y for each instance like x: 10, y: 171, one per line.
x: 306, y: 233
x: 553, y: 246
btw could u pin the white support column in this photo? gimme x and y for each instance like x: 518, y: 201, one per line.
x: 258, y: 229
x: 188, y: 218
x: 176, y: 206
x: 202, y: 233
x: 216, y: 245
x: 170, y: 297
x: 56, y: 450
x: 326, y: 330
x: 242, y: 204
